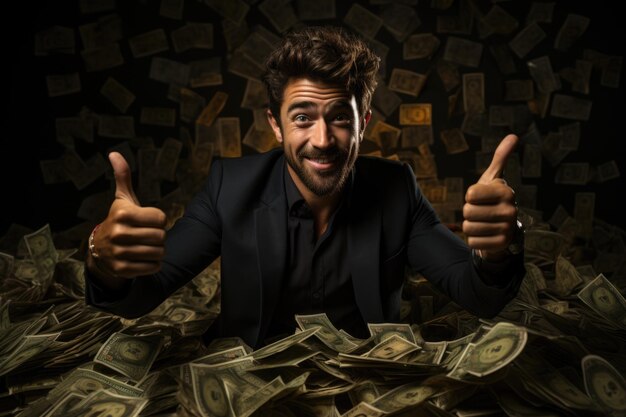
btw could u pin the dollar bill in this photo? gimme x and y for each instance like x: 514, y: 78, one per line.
x: 385, y: 99
x: 454, y: 140
x: 363, y: 21
x: 55, y: 40
x: 604, y: 384
x: 541, y: 71
x: 569, y: 107
x: 608, y: 171
x: 531, y: 167
x: 527, y: 39
x: 158, y: 116
x: 205, y: 72
x: 540, y: 12
x: 567, y: 277
x: 384, y: 133
x: 130, y: 355
x: 28, y: 347
x: 393, y: 347
x: 364, y: 409
x: 463, y: 52
x: 518, y: 90
x: 172, y: 9
x: 500, y: 115
x: 255, y: 95
x: 193, y: 36
x: 105, y: 402
x: 42, y: 250
x: 574, y: 173
x: 606, y: 300
x: 117, y: 94
x: 416, y: 114
x: 404, y: 396
x: 191, y: 105
x: 383, y: 331
x: 212, y: 109
x: 449, y: 74
x: 318, y: 10
x: 105, y: 31
x: 474, y: 92
x: 70, y: 128
x: 502, y: 54
x: 260, y: 139
x: 244, y: 66
x: 63, y: 84
x: 584, y: 207
x: 572, y: 29
x: 420, y: 46
x: 544, y: 243
x: 280, y: 14
x: 148, y: 43
x: 230, y: 136
x: 413, y: 136
x: 493, y: 351
x: 406, y: 82
x: 327, y: 333
x: 118, y: 127
x: 400, y: 20
x: 500, y: 21
x: 169, y: 71
x: 102, y: 58
x: 234, y: 10
x: 168, y: 157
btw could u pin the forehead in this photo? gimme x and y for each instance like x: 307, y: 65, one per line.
x: 318, y: 92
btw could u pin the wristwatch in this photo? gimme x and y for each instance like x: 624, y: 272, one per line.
x: 516, y: 246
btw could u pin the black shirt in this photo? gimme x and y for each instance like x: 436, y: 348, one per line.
x: 317, y: 279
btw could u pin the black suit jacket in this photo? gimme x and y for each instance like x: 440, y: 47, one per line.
x: 241, y: 215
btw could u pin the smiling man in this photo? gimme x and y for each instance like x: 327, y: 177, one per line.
x: 310, y: 227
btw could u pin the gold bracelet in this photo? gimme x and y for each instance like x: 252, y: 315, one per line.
x: 92, y: 247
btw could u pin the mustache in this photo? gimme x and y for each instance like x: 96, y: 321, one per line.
x: 334, y: 153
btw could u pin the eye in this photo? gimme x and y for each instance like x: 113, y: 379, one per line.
x: 342, y: 118
x: 301, y: 118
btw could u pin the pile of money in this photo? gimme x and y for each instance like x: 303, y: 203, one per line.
x: 556, y: 349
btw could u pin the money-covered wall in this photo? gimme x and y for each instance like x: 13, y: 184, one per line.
x: 173, y: 83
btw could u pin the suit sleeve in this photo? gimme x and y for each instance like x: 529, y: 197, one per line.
x: 190, y: 246
x: 446, y: 261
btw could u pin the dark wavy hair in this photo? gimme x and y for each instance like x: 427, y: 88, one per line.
x: 323, y: 53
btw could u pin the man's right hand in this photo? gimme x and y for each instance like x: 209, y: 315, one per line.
x: 130, y: 241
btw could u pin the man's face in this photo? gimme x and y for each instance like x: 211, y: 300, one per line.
x: 320, y: 130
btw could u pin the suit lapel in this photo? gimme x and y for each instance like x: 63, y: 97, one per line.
x: 364, y: 250
x: 271, y: 238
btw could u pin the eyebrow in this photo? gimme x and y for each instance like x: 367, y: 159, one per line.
x: 309, y: 104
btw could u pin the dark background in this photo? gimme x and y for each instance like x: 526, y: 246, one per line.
x: 29, y: 129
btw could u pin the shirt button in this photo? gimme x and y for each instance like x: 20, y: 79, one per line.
x: 316, y: 295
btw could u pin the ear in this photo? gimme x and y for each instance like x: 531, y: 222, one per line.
x: 366, y: 119
x: 275, y: 126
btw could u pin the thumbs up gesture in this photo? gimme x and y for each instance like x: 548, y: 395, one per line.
x: 490, y: 211
x: 130, y: 241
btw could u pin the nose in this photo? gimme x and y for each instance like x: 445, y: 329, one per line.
x: 323, y: 137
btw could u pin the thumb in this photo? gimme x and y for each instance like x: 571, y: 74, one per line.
x: 501, y: 155
x: 123, y: 180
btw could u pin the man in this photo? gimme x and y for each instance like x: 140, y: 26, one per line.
x: 310, y: 227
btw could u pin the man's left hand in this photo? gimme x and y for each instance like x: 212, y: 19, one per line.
x: 490, y: 211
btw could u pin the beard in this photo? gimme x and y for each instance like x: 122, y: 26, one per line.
x: 326, y: 182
